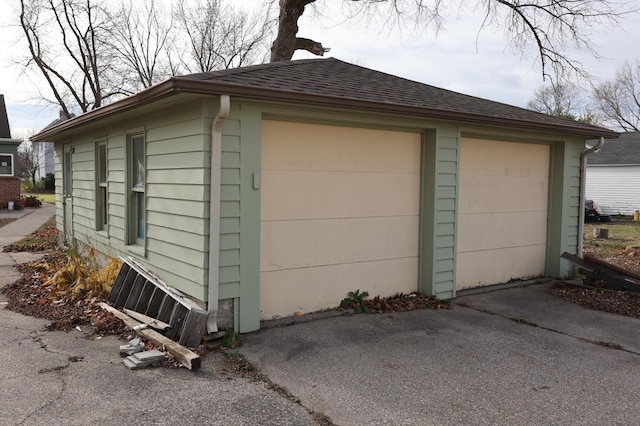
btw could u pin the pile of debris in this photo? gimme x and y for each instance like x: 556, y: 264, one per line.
x: 137, y: 357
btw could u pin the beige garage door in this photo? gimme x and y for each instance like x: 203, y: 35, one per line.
x: 339, y: 212
x: 502, y: 211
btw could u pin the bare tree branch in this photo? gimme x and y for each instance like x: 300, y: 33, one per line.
x: 618, y: 100
x: 550, y: 28
x: 140, y: 37
x: 220, y: 36
x: 66, y: 40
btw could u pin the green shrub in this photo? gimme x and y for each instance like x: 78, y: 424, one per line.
x: 49, y: 182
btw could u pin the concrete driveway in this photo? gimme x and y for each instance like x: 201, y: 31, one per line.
x: 509, y: 357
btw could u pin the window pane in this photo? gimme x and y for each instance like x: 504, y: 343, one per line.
x: 5, y: 164
x: 103, y: 206
x: 67, y: 174
x: 140, y: 214
x: 137, y: 157
x: 102, y: 163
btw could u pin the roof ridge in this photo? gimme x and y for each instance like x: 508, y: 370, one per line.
x: 253, y: 68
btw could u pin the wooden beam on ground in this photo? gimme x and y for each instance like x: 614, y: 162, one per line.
x: 183, y: 355
x: 612, y: 267
x: 151, y: 322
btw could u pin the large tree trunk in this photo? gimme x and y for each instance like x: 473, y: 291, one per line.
x: 286, y: 41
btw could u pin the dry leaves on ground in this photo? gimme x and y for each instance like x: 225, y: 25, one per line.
x: 30, y: 295
x: 601, y: 299
x: 45, y: 238
x: 6, y: 221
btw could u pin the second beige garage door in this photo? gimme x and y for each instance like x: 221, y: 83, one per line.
x: 502, y: 211
x: 339, y: 212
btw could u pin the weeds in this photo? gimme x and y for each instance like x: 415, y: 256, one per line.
x: 230, y: 339
x: 354, y: 300
x: 241, y: 366
x: 82, y: 278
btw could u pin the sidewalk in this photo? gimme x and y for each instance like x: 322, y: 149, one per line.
x: 28, y: 220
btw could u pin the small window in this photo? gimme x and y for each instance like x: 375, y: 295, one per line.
x: 102, y: 214
x: 137, y: 210
x: 6, y: 165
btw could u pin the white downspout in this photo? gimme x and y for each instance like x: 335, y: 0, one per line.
x: 214, y: 212
x: 583, y: 181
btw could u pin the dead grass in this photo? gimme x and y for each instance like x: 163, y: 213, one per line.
x: 623, y: 232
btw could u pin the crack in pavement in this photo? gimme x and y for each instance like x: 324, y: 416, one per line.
x: 57, y: 371
x: 609, y: 345
x: 59, y: 375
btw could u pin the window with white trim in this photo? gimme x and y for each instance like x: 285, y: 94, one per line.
x: 136, y: 172
x: 102, y: 212
x: 6, y: 165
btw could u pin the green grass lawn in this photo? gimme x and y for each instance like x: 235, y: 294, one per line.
x: 623, y: 232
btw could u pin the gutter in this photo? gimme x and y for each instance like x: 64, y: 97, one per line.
x: 214, y: 212
x: 583, y: 180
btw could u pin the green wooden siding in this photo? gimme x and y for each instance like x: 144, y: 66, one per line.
x: 564, y: 205
x: 177, y: 193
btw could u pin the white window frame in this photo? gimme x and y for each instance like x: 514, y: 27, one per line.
x: 136, y: 208
x: 13, y: 164
x: 102, y: 187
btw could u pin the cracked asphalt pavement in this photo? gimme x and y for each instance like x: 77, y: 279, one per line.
x: 68, y: 379
x: 516, y: 356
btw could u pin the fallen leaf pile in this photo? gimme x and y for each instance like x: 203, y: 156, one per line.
x: 45, y: 238
x: 30, y: 295
x: 404, y: 302
x: 601, y: 299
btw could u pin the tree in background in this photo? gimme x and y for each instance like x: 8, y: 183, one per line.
x: 140, y: 35
x: 548, y: 27
x: 618, y: 100
x: 220, y: 36
x: 67, y: 43
x: 91, y: 52
x: 562, y: 100
x: 30, y: 158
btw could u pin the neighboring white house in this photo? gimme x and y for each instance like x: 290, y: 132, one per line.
x: 613, y: 174
x: 46, y: 151
x: 47, y: 162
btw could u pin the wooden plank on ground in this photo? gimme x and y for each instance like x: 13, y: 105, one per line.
x: 612, y: 267
x: 187, y: 358
x: 151, y: 322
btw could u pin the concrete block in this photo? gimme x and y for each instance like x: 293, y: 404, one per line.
x: 134, y: 346
x: 132, y: 365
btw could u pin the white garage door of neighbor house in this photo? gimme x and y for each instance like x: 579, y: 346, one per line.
x: 502, y: 211
x: 339, y: 212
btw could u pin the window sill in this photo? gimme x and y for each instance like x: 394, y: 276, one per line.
x: 137, y: 250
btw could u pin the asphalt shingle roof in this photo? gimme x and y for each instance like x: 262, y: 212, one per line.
x: 333, y: 83
x: 624, y: 150
x: 341, y: 80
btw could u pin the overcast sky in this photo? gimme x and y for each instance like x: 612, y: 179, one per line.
x: 460, y: 59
